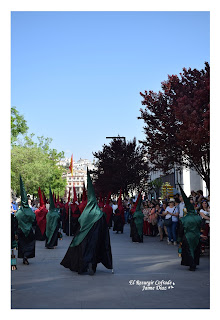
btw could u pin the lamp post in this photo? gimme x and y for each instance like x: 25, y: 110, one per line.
x: 117, y: 138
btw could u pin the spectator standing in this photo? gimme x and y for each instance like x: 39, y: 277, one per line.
x: 13, y: 207
x: 193, y: 195
x: 205, y: 227
x: 177, y: 196
x: 126, y: 210
x: 160, y: 221
x: 114, y: 206
x: 153, y: 220
x: 199, y: 198
x: 175, y: 221
x: 146, y: 227
x: 172, y: 212
x: 181, y: 207
x: 205, y: 215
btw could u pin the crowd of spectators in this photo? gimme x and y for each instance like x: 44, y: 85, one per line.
x: 161, y: 216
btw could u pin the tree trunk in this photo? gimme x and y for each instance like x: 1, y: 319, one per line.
x: 207, y: 181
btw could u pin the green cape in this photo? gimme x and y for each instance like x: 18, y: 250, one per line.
x: 191, y: 224
x: 24, y: 215
x: 90, y: 214
x: 139, y: 216
x: 53, y: 218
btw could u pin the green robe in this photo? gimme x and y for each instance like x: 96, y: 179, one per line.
x: 89, y: 216
x: 139, y: 216
x: 53, y: 219
x: 191, y: 224
x: 139, y: 221
x: 25, y: 216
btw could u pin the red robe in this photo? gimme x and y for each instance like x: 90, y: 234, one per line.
x: 121, y: 208
x: 83, y: 204
x: 41, y: 218
x: 108, y: 209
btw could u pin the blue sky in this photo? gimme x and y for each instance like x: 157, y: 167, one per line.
x: 76, y: 76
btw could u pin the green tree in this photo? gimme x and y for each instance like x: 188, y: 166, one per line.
x: 18, y: 125
x: 155, y: 185
x: 37, y: 164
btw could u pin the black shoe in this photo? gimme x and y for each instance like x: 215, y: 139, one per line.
x: 192, y: 269
x: 90, y: 269
x: 25, y: 261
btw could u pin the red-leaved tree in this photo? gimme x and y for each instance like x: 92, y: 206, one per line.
x: 177, y: 123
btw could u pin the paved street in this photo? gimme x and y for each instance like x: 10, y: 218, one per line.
x: 47, y: 284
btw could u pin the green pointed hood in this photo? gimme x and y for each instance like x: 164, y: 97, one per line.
x: 53, y: 219
x: 52, y: 204
x: 24, y: 215
x: 91, y: 198
x: 138, y: 216
x: 189, y: 206
x: 90, y: 215
x: 138, y: 203
x: 24, y: 199
x: 191, y: 224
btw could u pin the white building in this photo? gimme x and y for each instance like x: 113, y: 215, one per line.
x: 64, y: 162
x: 77, y: 180
x: 79, y: 177
x: 82, y: 164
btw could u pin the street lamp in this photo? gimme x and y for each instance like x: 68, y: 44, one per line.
x: 117, y: 138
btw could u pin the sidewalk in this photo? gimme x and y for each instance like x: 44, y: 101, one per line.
x: 47, y: 284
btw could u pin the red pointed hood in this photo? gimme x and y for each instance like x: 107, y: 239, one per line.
x: 84, y: 196
x: 120, y: 200
x: 40, y: 197
x: 136, y: 203
x: 67, y: 204
x: 120, y: 207
x: 58, y: 203
x: 83, y: 204
x: 101, y: 201
x: 75, y: 196
x: 108, y: 198
x: 45, y: 199
x: 41, y: 213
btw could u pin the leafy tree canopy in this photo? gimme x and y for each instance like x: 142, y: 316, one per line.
x: 177, y: 123
x: 35, y: 161
x: 18, y: 125
x: 120, y: 165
